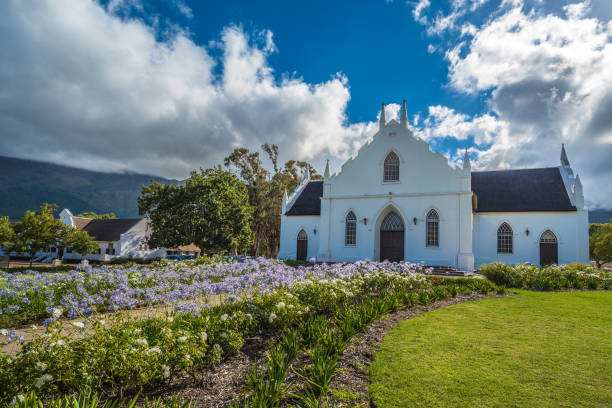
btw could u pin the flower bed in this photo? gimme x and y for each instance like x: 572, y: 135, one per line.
x: 315, y: 309
x: 32, y: 297
x: 574, y: 276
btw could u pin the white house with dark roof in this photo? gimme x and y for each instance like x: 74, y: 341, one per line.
x: 120, y: 237
x: 399, y: 200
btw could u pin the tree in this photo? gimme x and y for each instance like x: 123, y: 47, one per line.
x: 210, y: 210
x: 600, y: 243
x: 7, y: 235
x: 81, y: 242
x: 93, y: 215
x: 266, y: 191
x: 36, y: 231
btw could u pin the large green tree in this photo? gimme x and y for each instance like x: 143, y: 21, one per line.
x: 36, y: 231
x: 600, y: 243
x: 81, y: 242
x: 266, y: 188
x: 211, y: 210
x: 7, y: 235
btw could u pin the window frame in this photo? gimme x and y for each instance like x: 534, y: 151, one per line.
x: 350, y: 230
x: 505, y: 239
x: 391, y: 170
x: 432, y: 229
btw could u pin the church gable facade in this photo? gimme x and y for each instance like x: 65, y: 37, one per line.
x: 398, y: 200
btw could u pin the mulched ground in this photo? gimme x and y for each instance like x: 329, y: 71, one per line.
x: 227, y: 382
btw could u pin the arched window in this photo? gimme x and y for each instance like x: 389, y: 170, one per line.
x: 391, y: 172
x: 548, y: 237
x: 433, y: 229
x: 350, y: 230
x: 504, y: 239
x: 302, y: 236
x: 392, y: 222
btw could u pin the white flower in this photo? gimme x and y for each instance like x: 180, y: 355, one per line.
x: 80, y: 325
x: 102, y: 322
x: 224, y: 317
x: 272, y: 317
x: 290, y: 306
x: 289, y: 295
x: 57, y: 343
x: 155, y: 349
x: 280, y: 305
x: 165, y: 371
x: 182, y: 339
x: 248, y: 316
x: 203, y: 337
x: 17, y: 399
x: 142, y: 341
x: 45, y: 378
x: 224, y: 334
x: 42, y: 366
x: 187, y: 357
x: 138, y: 331
x: 34, y: 327
x: 170, y: 319
x: 57, y: 312
x: 306, y: 309
x: 4, y: 332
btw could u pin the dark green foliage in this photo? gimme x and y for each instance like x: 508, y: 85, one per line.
x: 211, y: 210
x: 600, y: 243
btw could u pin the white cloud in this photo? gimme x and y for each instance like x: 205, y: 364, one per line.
x: 547, y: 81
x: 82, y: 86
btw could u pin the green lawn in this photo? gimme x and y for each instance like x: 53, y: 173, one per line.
x: 534, y: 349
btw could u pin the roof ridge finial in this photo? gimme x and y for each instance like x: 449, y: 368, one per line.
x: 466, y: 160
x: 564, y: 160
x: 327, y: 172
x: 382, y: 120
x: 404, y: 115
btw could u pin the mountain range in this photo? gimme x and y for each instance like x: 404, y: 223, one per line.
x: 27, y: 184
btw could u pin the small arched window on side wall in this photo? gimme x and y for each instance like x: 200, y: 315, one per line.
x: 350, y: 230
x: 433, y: 229
x: 504, y: 239
x: 391, y: 170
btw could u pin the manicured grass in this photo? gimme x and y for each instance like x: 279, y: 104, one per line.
x: 539, y: 349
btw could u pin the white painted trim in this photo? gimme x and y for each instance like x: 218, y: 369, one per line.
x: 402, y: 195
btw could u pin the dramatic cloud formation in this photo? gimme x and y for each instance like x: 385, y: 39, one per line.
x: 548, y: 81
x: 82, y: 86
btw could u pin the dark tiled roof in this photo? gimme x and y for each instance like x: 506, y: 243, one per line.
x: 309, y: 201
x: 520, y: 190
x: 109, y: 230
x: 496, y: 191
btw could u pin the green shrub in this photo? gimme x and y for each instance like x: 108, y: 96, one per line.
x: 573, y: 276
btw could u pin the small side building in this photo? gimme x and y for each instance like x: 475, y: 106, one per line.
x: 121, y: 237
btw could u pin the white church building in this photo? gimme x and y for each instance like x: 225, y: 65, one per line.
x: 398, y: 200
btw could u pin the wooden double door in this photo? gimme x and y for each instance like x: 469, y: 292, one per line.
x: 392, y: 246
x: 392, y: 238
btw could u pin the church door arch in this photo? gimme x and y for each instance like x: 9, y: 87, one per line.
x: 549, y: 248
x: 302, y: 246
x: 392, y: 238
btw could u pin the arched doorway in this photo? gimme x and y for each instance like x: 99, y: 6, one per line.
x: 549, y: 248
x: 392, y: 238
x: 302, y: 246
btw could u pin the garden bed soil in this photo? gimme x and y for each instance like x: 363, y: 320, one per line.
x: 226, y: 382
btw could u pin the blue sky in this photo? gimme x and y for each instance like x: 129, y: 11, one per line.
x: 166, y: 86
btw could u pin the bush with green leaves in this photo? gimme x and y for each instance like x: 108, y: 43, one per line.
x: 573, y: 276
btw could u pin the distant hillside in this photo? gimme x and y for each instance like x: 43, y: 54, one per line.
x: 26, y: 184
x: 600, y: 216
